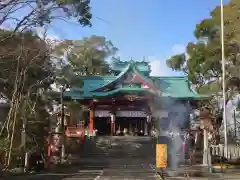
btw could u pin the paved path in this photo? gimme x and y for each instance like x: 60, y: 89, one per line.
x: 108, y: 158
x: 116, y: 158
x: 120, y: 158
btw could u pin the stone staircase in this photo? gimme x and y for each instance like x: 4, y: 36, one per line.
x: 106, y: 147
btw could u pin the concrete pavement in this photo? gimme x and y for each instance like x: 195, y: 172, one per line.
x: 108, y: 158
x: 114, y: 158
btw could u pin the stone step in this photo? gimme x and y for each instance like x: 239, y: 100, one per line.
x: 115, y: 155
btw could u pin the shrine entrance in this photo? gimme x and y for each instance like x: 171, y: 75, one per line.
x: 131, y: 126
x: 122, y: 123
x: 129, y: 101
x: 103, y: 126
x: 129, y: 109
x: 134, y: 126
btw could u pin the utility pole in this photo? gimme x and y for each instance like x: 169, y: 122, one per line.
x: 62, y: 127
x: 223, y: 84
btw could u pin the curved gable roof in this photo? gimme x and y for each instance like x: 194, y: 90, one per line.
x: 131, y: 66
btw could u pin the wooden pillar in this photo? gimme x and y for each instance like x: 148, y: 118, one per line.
x: 113, y: 128
x: 148, y: 125
x: 91, y: 119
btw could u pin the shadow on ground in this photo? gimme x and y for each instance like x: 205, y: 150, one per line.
x: 86, y: 163
x: 117, y: 156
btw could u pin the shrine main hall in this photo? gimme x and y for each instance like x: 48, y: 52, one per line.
x: 131, y: 101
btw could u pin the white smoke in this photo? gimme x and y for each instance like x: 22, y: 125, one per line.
x: 173, y: 127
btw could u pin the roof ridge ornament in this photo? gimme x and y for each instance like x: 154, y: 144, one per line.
x: 131, y: 61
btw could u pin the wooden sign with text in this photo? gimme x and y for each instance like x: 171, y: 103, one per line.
x: 161, y: 155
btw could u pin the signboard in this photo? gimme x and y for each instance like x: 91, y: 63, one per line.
x: 161, y: 155
x: 121, y: 114
x: 130, y: 114
x: 102, y: 114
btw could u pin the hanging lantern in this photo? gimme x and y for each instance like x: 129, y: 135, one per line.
x: 148, y: 118
x: 112, y: 117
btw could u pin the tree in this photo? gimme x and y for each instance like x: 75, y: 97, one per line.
x: 42, y: 12
x: 202, y: 61
x: 26, y: 71
x: 87, y: 56
x: 82, y: 57
x: 24, y: 53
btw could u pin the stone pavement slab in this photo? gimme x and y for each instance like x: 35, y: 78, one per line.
x: 231, y: 176
x: 81, y: 175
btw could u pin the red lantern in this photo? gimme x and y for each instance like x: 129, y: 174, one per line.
x: 49, y: 152
x: 184, y: 147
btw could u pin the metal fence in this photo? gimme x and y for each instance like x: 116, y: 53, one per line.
x: 232, y: 153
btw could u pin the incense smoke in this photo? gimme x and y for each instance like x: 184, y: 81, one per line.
x: 172, y: 129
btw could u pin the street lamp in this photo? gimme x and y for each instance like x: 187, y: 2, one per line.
x: 223, y: 82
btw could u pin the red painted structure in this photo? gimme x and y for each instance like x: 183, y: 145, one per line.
x: 76, y: 132
x: 49, y: 150
x: 55, y: 137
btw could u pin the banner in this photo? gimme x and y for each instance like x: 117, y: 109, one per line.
x: 161, y: 155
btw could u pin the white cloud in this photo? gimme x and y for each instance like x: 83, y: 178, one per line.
x: 178, y: 48
x: 51, y: 39
x: 159, y: 66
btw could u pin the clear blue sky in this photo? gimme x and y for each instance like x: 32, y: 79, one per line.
x: 153, y: 28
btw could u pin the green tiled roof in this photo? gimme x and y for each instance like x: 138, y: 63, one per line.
x: 177, y: 87
x: 115, y: 78
x: 131, y: 66
x: 95, y: 82
x: 174, y: 87
x: 141, y: 66
x: 112, y: 93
